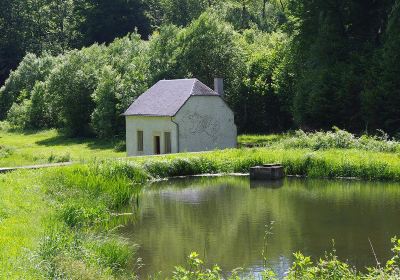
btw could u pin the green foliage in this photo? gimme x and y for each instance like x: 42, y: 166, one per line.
x: 328, y: 267
x: 103, y: 21
x: 21, y: 82
x: 261, y: 105
x: 81, y: 200
x: 40, y: 114
x: 5, y: 151
x: 177, y: 12
x: 115, y: 254
x: 105, y: 115
x: 221, y: 57
x: 196, y: 271
x: 77, y: 242
x: 339, y: 139
x: 163, y: 51
x: 72, y: 83
x: 287, y: 63
x: 18, y: 115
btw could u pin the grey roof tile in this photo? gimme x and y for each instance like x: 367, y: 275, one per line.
x: 166, y: 97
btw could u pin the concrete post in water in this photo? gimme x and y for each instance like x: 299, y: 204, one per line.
x: 267, y: 172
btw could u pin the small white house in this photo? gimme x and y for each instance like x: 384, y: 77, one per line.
x: 181, y: 115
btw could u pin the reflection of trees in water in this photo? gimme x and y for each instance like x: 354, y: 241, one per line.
x: 223, y: 219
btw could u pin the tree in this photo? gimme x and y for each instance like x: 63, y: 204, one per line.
x: 333, y: 46
x: 70, y: 87
x: 105, y: 115
x: 381, y: 99
x: 22, y: 80
x: 263, y: 103
x: 177, y: 12
x: 103, y: 20
x: 209, y: 49
x: 163, y: 51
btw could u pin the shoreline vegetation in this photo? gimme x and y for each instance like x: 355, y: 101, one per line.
x: 73, y: 234
x: 332, y: 154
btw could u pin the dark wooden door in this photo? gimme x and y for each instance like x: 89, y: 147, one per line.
x: 157, y: 145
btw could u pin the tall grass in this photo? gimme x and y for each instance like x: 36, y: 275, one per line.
x: 66, y: 215
x: 332, y: 163
x: 22, y: 212
x: 79, y: 240
x: 338, y: 139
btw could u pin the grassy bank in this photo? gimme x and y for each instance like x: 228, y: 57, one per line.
x: 22, y: 217
x: 330, y: 163
x: 60, y: 223
x: 17, y: 149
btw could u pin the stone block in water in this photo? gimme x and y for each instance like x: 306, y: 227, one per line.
x: 267, y: 172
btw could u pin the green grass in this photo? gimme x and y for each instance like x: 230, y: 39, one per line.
x: 257, y: 140
x: 58, y: 222
x: 17, y: 149
x: 330, y: 163
x: 22, y: 217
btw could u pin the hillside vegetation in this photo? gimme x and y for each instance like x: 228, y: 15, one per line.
x: 77, y: 65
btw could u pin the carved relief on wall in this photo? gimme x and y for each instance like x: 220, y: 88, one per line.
x: 199, y: 124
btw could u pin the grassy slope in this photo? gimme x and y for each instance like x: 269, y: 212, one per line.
x: 22, y: 210
x: 75, y: 200
x: 83, y: 195
x: 331, y: 163
x: 38, y: 147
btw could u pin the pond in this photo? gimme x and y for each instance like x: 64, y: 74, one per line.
x: 223, y: 219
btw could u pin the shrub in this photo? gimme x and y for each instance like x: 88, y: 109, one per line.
x: 338, y: 139
x: 18, y: 115
x: 81, y: 214
x: 61, y: 158
x: 114, y: 253
x: 6, y: 151
x: 120, y: 146
x: 22, y: 80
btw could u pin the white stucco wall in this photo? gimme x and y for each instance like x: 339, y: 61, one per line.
x: 205, y: 123
x: 151, y: 126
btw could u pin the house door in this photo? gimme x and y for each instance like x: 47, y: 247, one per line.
x: 157, y: 145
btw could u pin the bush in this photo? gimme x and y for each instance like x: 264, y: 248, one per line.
x: 339, y: 139
x: 62, y: 158
x: 114, y: 253
x: 120, y: 146
x: 18, y: 116
x: 21, y: 81
x: 6, y: 151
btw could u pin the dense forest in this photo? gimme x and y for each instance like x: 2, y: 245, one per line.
x: 78, y: 64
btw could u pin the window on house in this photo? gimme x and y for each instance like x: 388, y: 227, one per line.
x: 140, y: 141
x: 167, y: 142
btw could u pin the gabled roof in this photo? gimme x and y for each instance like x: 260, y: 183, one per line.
x: 166, y: 97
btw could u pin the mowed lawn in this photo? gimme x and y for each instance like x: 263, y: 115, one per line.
x: 48, y: 146
x: 18, y: 149
x: 23, y: 210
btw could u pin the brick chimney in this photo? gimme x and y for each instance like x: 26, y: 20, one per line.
x: 219, y: 86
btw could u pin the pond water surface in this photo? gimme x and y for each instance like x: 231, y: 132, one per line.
x: 224, y: 218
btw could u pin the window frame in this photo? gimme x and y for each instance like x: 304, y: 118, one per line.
x: 167, y: 142
x: 139, y: 140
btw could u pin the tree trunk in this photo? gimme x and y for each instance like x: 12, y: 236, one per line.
x: 264, y: 8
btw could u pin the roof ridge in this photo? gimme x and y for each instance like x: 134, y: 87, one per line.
x: 194, y: 83
x: 172, y: 80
